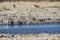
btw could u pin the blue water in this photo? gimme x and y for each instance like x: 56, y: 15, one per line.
x: 27, y: 29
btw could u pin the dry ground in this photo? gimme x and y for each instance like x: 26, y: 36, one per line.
x: 29, y: 12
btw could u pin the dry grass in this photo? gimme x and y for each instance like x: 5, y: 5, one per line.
x: 28, y: 11
x: 28, y: 4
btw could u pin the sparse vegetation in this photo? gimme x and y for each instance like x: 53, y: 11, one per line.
x: 29, y: 13
x: 29, y: 37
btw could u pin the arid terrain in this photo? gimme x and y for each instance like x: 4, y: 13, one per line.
x: 43, y: 36
x: 29, y: 12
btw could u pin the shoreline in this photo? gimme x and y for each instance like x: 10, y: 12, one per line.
x: 34, y: 24
x: 43, y: 36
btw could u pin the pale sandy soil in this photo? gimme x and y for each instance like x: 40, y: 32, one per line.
x: 30, y: 37
x: 29, y: 12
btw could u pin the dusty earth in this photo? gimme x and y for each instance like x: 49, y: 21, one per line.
x: 29, y: 12
x: 43, y: 36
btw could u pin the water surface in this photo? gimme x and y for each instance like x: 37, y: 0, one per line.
x: 33, y: 29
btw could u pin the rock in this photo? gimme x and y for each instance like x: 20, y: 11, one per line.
x: 6, y: 8
x: 36, y: 6
x: 33, y: 18
x: 41, y: 20
x: 14, y: 5
x: 19, y: 22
